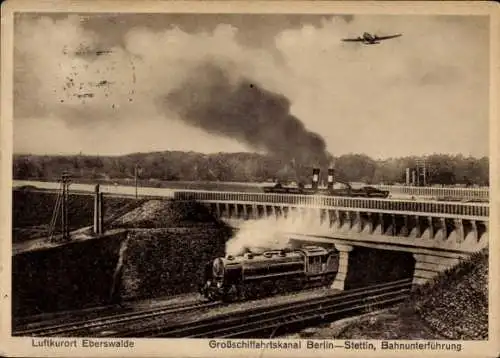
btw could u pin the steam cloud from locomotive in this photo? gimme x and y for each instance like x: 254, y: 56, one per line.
x: 258, y: 236
x: 223, y: 102
x: 266, y: 234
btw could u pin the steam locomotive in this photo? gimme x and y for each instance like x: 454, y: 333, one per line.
x: 345, y: 190
x: 251, y: 275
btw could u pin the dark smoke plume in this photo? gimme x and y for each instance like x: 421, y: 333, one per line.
x: 211, y: 99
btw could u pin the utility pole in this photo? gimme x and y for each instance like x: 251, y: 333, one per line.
x: 136, y: 175
x: 65, y: 180
x: 62, y: 207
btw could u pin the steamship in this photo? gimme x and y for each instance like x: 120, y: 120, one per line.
x: 333, y: 188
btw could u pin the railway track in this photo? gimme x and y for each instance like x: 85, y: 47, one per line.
x: 283, y: 318
x: 55, y: 318
x: 73, y: 328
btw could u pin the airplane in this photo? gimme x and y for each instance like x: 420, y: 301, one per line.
x: 369, y: 39
x: 102, y: 52
x: 88, y: 51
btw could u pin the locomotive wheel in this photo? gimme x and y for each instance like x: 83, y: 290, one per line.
x: 212, y: 296
x: 251, y: 292
x: 242, y: 293
x: 231, y: 294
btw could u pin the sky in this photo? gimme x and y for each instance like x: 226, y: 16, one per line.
x: 422, y: 93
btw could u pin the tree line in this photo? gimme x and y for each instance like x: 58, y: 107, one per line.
x: 246, y: 167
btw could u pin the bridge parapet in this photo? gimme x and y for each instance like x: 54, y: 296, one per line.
x: 387, y: 206
x: 439, y: 192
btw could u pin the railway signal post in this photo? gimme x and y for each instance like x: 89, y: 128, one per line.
x: 65, y: 180
x: 61, y: 207
x: 136, y: 173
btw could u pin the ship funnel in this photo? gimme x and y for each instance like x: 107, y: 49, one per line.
x: 315, y: 178
x: 331, y: 178
x: 407, y: 177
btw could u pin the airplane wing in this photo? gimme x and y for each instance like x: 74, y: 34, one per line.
x: 387, y: 37
x: 353, y: 40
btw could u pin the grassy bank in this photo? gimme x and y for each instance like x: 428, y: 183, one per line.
x: 32, y: 212
x: 160, y: 252
x: 454, y: 306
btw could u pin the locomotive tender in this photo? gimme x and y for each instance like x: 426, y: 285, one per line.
x: 233, y: 278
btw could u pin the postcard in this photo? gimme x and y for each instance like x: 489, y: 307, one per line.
x: 249, y: 179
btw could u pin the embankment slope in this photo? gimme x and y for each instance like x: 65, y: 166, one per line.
x: 158, y: 249
x: 454, y: 306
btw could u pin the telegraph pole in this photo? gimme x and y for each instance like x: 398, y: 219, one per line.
x: 62, y: 204
x: 65, y: 180
x: 136, y: 174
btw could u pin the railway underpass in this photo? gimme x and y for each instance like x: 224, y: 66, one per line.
x: 418, y: 239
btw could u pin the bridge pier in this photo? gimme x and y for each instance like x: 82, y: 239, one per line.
x: 441, y: 232
x: 405, y: 229
x: 379, y: 224
x: 346, y: 221
x: 415, y: 230
x: 334, y: 219
x: 429, y: 266
x: 255, y: 213
x: 339, y: 281
x: 472, y: 236
x: 483, y: 239
x: 285, y: 211
x: 429, y: 230
x: 391, y: 227
x: 357, y: 224
x: 458, y: 235
x: 368, y: 226
x: 273, y: 212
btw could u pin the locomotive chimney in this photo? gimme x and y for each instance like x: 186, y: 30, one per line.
x: 315, y: 178
x: 331, y: 178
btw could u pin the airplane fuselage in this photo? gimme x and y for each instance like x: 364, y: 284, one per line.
x: 369, y: 39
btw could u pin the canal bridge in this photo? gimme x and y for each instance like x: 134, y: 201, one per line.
x: 438, y: 234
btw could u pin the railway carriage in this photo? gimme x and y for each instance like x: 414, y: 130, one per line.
x: 251, y: 275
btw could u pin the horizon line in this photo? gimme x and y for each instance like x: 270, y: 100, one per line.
x: 243, y: 152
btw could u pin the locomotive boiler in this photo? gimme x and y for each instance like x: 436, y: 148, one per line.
x: 251, y: 275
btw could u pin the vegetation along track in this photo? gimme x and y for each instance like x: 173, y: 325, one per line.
x: 74, y: 328
x: 282, y: 318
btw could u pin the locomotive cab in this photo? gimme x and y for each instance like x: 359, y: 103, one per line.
x: 320, y: 261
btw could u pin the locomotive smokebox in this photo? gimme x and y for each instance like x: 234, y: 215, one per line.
x: 331, y: 178
x: 315, y: 178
